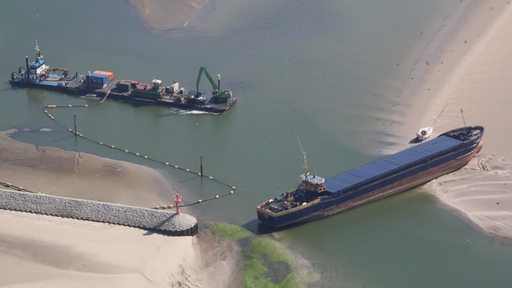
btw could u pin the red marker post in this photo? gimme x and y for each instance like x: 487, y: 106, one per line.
x: 177, y: 201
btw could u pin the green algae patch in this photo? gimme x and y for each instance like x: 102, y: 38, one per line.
x: 269, y: 264
x: 229, y: 231
x: 266, y: 262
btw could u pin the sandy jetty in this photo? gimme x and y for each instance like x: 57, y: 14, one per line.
x: 59, y: 251
x: 470, y: 80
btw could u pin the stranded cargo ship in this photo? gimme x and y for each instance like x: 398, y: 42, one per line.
x: 316, y: 197
x: 102, y: 85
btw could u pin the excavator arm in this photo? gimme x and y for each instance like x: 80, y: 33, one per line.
x: 201, y: 71
x: 218, y: 95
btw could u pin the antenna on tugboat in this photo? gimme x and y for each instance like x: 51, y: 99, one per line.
x: 462, y: 113
x: 306, y: 169
x: 38, y: 52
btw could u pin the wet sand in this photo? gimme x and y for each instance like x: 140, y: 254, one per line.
x: 57, y: 172
x: 466, y: 73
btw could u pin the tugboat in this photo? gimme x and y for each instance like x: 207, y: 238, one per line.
x: 102, y: 85
x: 40, y: 75
x: 316, y: 197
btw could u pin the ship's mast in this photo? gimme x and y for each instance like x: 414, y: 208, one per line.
x: 305, y: 165
x: 309, y: 182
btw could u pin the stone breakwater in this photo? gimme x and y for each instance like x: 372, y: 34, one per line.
x: 164, y: 222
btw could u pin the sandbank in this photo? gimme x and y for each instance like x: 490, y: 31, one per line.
x: 466, y: 77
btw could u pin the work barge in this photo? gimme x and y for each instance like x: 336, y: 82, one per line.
x: 103, y: 85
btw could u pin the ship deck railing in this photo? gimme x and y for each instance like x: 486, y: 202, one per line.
x: 289, y: 210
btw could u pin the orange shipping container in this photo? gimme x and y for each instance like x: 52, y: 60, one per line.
x: 110, y: 75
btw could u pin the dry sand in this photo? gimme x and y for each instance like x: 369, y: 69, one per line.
x: 468, y: 75
x: 43, y: 251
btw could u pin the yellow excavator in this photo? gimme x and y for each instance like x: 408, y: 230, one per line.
x: 218, y: 95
